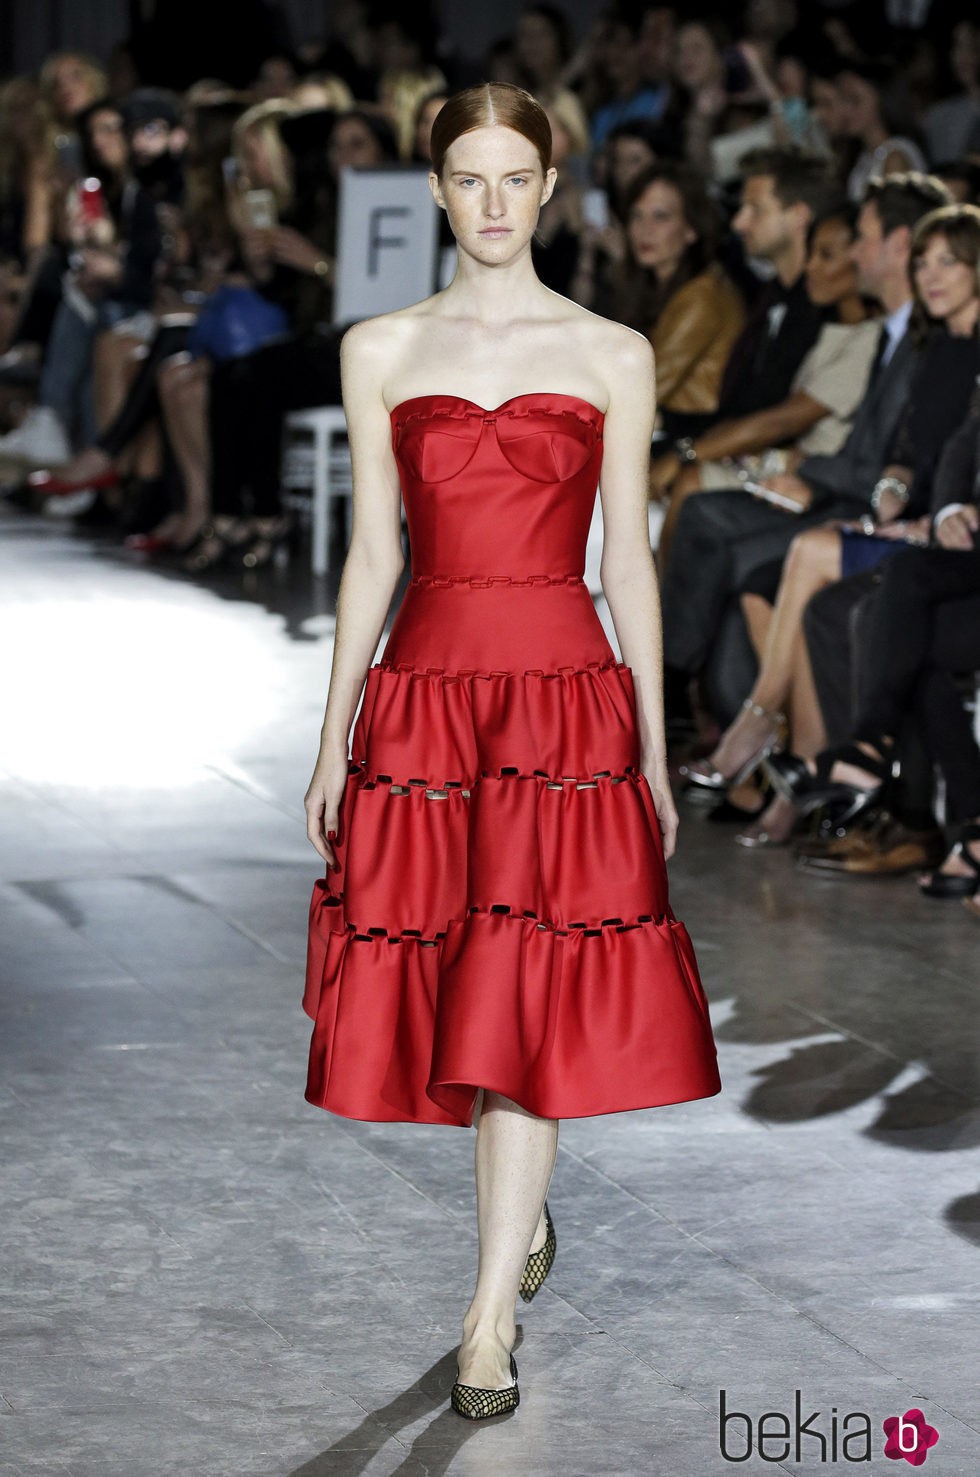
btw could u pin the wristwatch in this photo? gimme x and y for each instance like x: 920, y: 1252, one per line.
x: 894, y: 485
x: 685, y: 449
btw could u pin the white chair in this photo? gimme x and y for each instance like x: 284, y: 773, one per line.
x: 327, y: 473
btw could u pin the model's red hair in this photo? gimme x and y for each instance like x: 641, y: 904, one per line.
x: 485, y: 104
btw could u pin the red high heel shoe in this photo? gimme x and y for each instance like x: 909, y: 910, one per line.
x: 50, y: 484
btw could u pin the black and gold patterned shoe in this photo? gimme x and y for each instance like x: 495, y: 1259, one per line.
x: 539, y: 1263
x: 475, y: 1404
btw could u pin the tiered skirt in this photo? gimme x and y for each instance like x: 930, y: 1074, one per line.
x: 498, y: 916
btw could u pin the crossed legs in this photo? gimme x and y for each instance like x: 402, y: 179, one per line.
x: 514, y: 1158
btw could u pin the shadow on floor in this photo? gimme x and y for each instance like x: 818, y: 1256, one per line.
x: 433, y: 1450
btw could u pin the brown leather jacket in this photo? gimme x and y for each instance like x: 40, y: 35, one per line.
x: 692, y: 340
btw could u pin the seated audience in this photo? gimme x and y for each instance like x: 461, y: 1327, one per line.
x: 922, y: 631
x: 782, y: 193
x: 945, y: 258
x: 116, y: 237
x: 721, y: 537
x: 826, y: 389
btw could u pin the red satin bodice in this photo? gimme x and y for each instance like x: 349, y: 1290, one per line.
x: 508, y: 491
x: 498, y: 504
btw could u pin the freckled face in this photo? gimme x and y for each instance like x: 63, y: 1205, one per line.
x: 492, y: 188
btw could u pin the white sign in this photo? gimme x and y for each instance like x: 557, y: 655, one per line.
x: 387, y: 241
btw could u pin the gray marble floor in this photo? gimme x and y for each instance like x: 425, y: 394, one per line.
x: 203, y: 1275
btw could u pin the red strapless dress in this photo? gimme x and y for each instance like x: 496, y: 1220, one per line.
x: 500, y: 917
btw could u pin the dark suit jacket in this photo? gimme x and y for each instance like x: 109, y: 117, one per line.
x: 852, y: 472
x: 957, y: 477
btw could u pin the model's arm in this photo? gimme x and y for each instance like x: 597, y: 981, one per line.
x: 371, y: 570
x: 627, y: 572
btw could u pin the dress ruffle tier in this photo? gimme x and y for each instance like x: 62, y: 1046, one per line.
x: 502, y: 920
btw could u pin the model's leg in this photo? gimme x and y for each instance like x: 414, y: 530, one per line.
x: 515, y: 1156
x: 541, y: 1230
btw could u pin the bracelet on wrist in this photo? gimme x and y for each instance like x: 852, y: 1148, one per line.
x: 894, y: 485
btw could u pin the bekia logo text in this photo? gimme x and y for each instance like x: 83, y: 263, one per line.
x: 775, y: 1436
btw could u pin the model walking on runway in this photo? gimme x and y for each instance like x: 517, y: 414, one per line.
x: 492, y: 943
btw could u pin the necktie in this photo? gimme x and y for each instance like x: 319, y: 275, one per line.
x: 881, y: 353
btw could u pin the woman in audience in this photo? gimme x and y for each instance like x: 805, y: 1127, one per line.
x: 715, y: 95
x: 425, y: 115
x: 629, y: 149
x: 70, y: 83
x: 50, y: 167
x: 672, y: 289
x: 878, y: 115
x: 542, y: 49
x: 945, y: 258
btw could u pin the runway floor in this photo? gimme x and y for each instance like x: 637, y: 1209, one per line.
x: 203, y: 1275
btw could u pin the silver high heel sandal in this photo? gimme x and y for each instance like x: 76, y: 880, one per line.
x: 712, y: 779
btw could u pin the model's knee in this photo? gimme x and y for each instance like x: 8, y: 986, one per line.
x: 496, y: 1102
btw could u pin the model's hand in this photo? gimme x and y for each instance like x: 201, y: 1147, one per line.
x: 322, y: 802
x: 791, y: 486
x: 663, y: 801
x: 957, y: 529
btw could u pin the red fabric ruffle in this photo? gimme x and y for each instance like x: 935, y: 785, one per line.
x: 502, y: 920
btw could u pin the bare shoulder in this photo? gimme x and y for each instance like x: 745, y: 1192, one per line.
x: 372, y: 339
x: 625, y: 360
x: 369, y: 349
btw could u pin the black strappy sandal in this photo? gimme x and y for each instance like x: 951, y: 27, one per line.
x: 792, y: 777
x: 952, y: 884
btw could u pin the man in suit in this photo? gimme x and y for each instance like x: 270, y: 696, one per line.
x: 722, y: 536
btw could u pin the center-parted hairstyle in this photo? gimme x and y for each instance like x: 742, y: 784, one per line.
x: 482, y: 106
